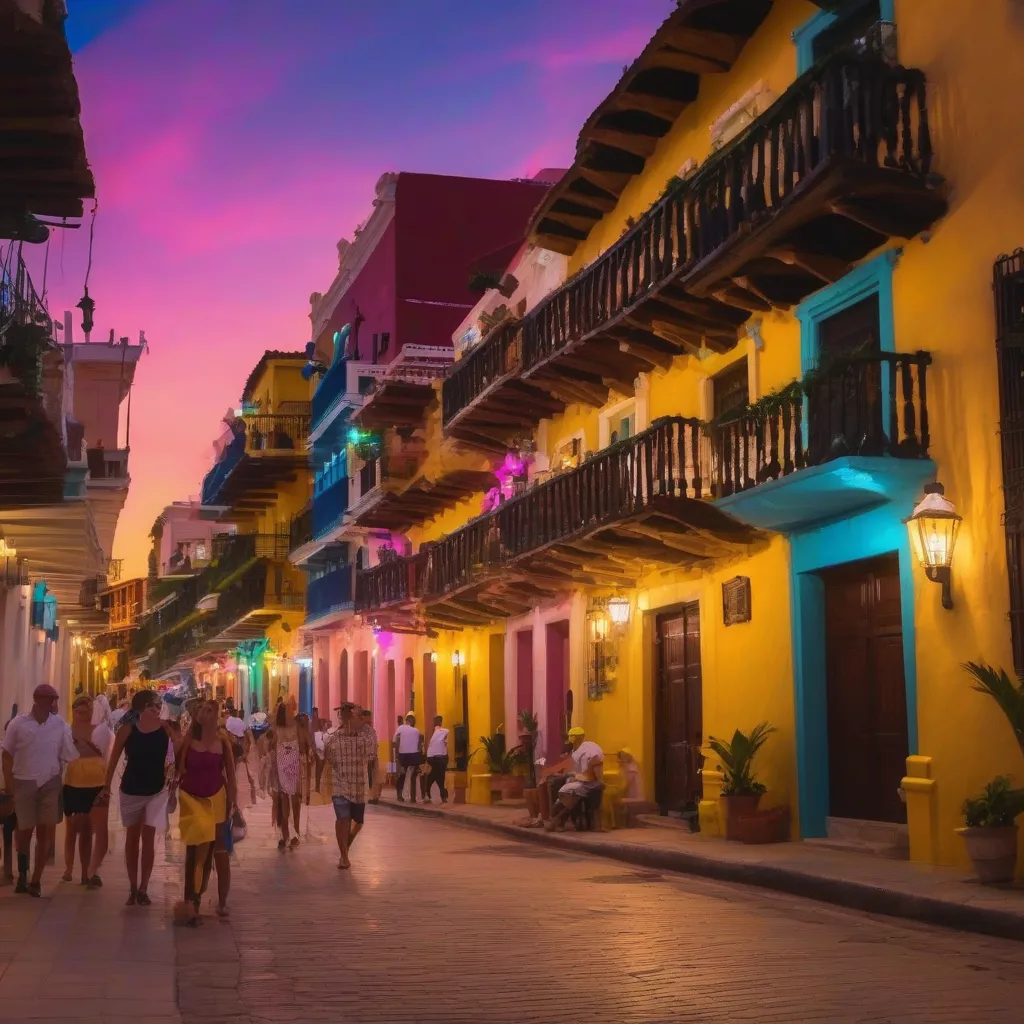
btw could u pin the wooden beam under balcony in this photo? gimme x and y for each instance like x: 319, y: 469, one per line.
x: 699, y: 37
x: 395, y: 403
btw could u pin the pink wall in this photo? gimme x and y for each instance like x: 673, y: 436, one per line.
x: 524, y: 672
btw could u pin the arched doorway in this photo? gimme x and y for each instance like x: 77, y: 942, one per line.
x: 343, y: 677
x: 390, y: 708
x: 429, y: 693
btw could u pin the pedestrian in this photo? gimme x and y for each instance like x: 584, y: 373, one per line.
x: 286, y: 749
x: 149, y: 754
x: 241, y: 750
x: 374, y: 763
x: 206, y: 794
x: 349, y: 749
x: 408, y: 743
x: 36, y: 746
x: 85, y: 814
x: 437, y: 760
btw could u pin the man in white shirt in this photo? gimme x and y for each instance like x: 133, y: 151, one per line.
x: 408, y: 744
x: 437, y: 759
x: 35, y: 748
x: 587, y: 782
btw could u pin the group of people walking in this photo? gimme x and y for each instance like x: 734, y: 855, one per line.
x: 205, y: 766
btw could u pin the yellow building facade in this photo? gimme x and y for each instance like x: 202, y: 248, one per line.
x: 791, y: 195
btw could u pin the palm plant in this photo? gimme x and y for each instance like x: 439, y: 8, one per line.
x: 738, y: 760
x: 1009, y: 695
x: 499, y: 760
x: 996, y: 807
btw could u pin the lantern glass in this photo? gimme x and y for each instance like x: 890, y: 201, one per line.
x: 456, y: 659
x: 599, y: 627
x: 618, y: 610
x: 934, y: 539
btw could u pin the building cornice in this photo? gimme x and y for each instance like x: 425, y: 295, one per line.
x: 352, y: 256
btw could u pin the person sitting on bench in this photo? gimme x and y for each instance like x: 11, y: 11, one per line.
x: 587, y: 780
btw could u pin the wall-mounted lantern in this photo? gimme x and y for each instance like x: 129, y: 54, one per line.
x: 457, y: 659
x: 618, y: 611
x: 934, y: 525
x: 433, y: 657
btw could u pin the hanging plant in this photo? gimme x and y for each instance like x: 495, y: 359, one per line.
x: 22, y: 347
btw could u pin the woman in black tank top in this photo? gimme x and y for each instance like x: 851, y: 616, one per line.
x: 146, y: 743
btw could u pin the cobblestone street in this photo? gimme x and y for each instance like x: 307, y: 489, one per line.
x: 440, y: 923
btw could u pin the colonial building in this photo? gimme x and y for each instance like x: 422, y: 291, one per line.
x: 777, y: 335
x: 381, y: 343
x: 227, y: 616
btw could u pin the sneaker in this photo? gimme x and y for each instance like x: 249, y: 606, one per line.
x: 22, y: 886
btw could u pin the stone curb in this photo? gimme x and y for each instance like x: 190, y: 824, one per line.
x: 842, y: 892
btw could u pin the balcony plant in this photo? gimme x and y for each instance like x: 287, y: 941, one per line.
x: 502, y: 764
x: 741, y: 792
x: 990, y: 832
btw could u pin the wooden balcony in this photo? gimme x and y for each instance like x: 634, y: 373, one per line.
x: 635, y: 505
x: 870, y: 406
x: 677, y: 494
x: 840, y: 163
x: 266, y: 451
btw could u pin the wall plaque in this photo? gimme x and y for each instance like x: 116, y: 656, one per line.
x: 736, y: 600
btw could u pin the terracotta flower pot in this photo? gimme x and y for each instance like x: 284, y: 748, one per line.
x: 993, y: 852
x: 736, y: 807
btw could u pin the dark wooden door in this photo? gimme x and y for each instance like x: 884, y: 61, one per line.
x: 845, y: 403
x: 679, y: 714
x: 866, y: 690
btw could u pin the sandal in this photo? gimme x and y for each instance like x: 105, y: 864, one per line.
x: 34, y: 889
x: 222, y: 912
x: 143, y: 899
x: 281, y: 844
x: 94, y: 883
x: 132, y: 898
x: 67, y: 877
x: 294, y: 842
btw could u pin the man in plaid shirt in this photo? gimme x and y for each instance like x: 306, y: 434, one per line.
x: 349, y: 749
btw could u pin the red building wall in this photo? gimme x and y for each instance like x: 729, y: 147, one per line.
x: 444, y: 225
x: 414, y: 285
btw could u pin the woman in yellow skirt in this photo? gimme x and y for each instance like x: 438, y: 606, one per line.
x: 206, y: 775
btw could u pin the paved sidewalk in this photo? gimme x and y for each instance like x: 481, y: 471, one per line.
x: 934, y: 895
x: 83, y: 956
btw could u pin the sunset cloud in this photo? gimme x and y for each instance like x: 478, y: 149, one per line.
x: 231, y: 153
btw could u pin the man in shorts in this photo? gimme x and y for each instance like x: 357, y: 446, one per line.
x: 349, y: 749
x: 35, y: 748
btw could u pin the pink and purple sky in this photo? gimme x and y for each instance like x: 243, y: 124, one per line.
x: 234, y: 143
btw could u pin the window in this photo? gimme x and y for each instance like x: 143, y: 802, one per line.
x: 730, y: 390
x: 829, y: 31
x: 1009, y: 293
x: 385, y: 341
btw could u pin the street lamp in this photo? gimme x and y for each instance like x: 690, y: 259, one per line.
x: 933, y: 526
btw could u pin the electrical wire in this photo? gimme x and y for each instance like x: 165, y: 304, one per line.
x: 92, y: 231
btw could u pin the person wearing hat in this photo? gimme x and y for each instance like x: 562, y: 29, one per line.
x: 587, y: 780
x: 36, y: 746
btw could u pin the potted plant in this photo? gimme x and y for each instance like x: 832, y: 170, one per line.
x: 502, y: 763
x: 741, y: 792
x: 528, y: 727
x: 990, y: 832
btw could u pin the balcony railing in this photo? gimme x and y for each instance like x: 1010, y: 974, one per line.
x: 230, y: 458
x: 620, y: 481
x: 267, y: 432
x: 858, y: 110
x: 330, y: 506
x: 867, y: 406
x: 332, y: 386
x: 874, y: 405
x: 392, y: 582
x: 300, y: 530
x: 329, y: 593
x: 19, y: 299
x: 107, y: 463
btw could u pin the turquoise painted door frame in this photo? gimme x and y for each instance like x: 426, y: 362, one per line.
x: 879, y: 531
